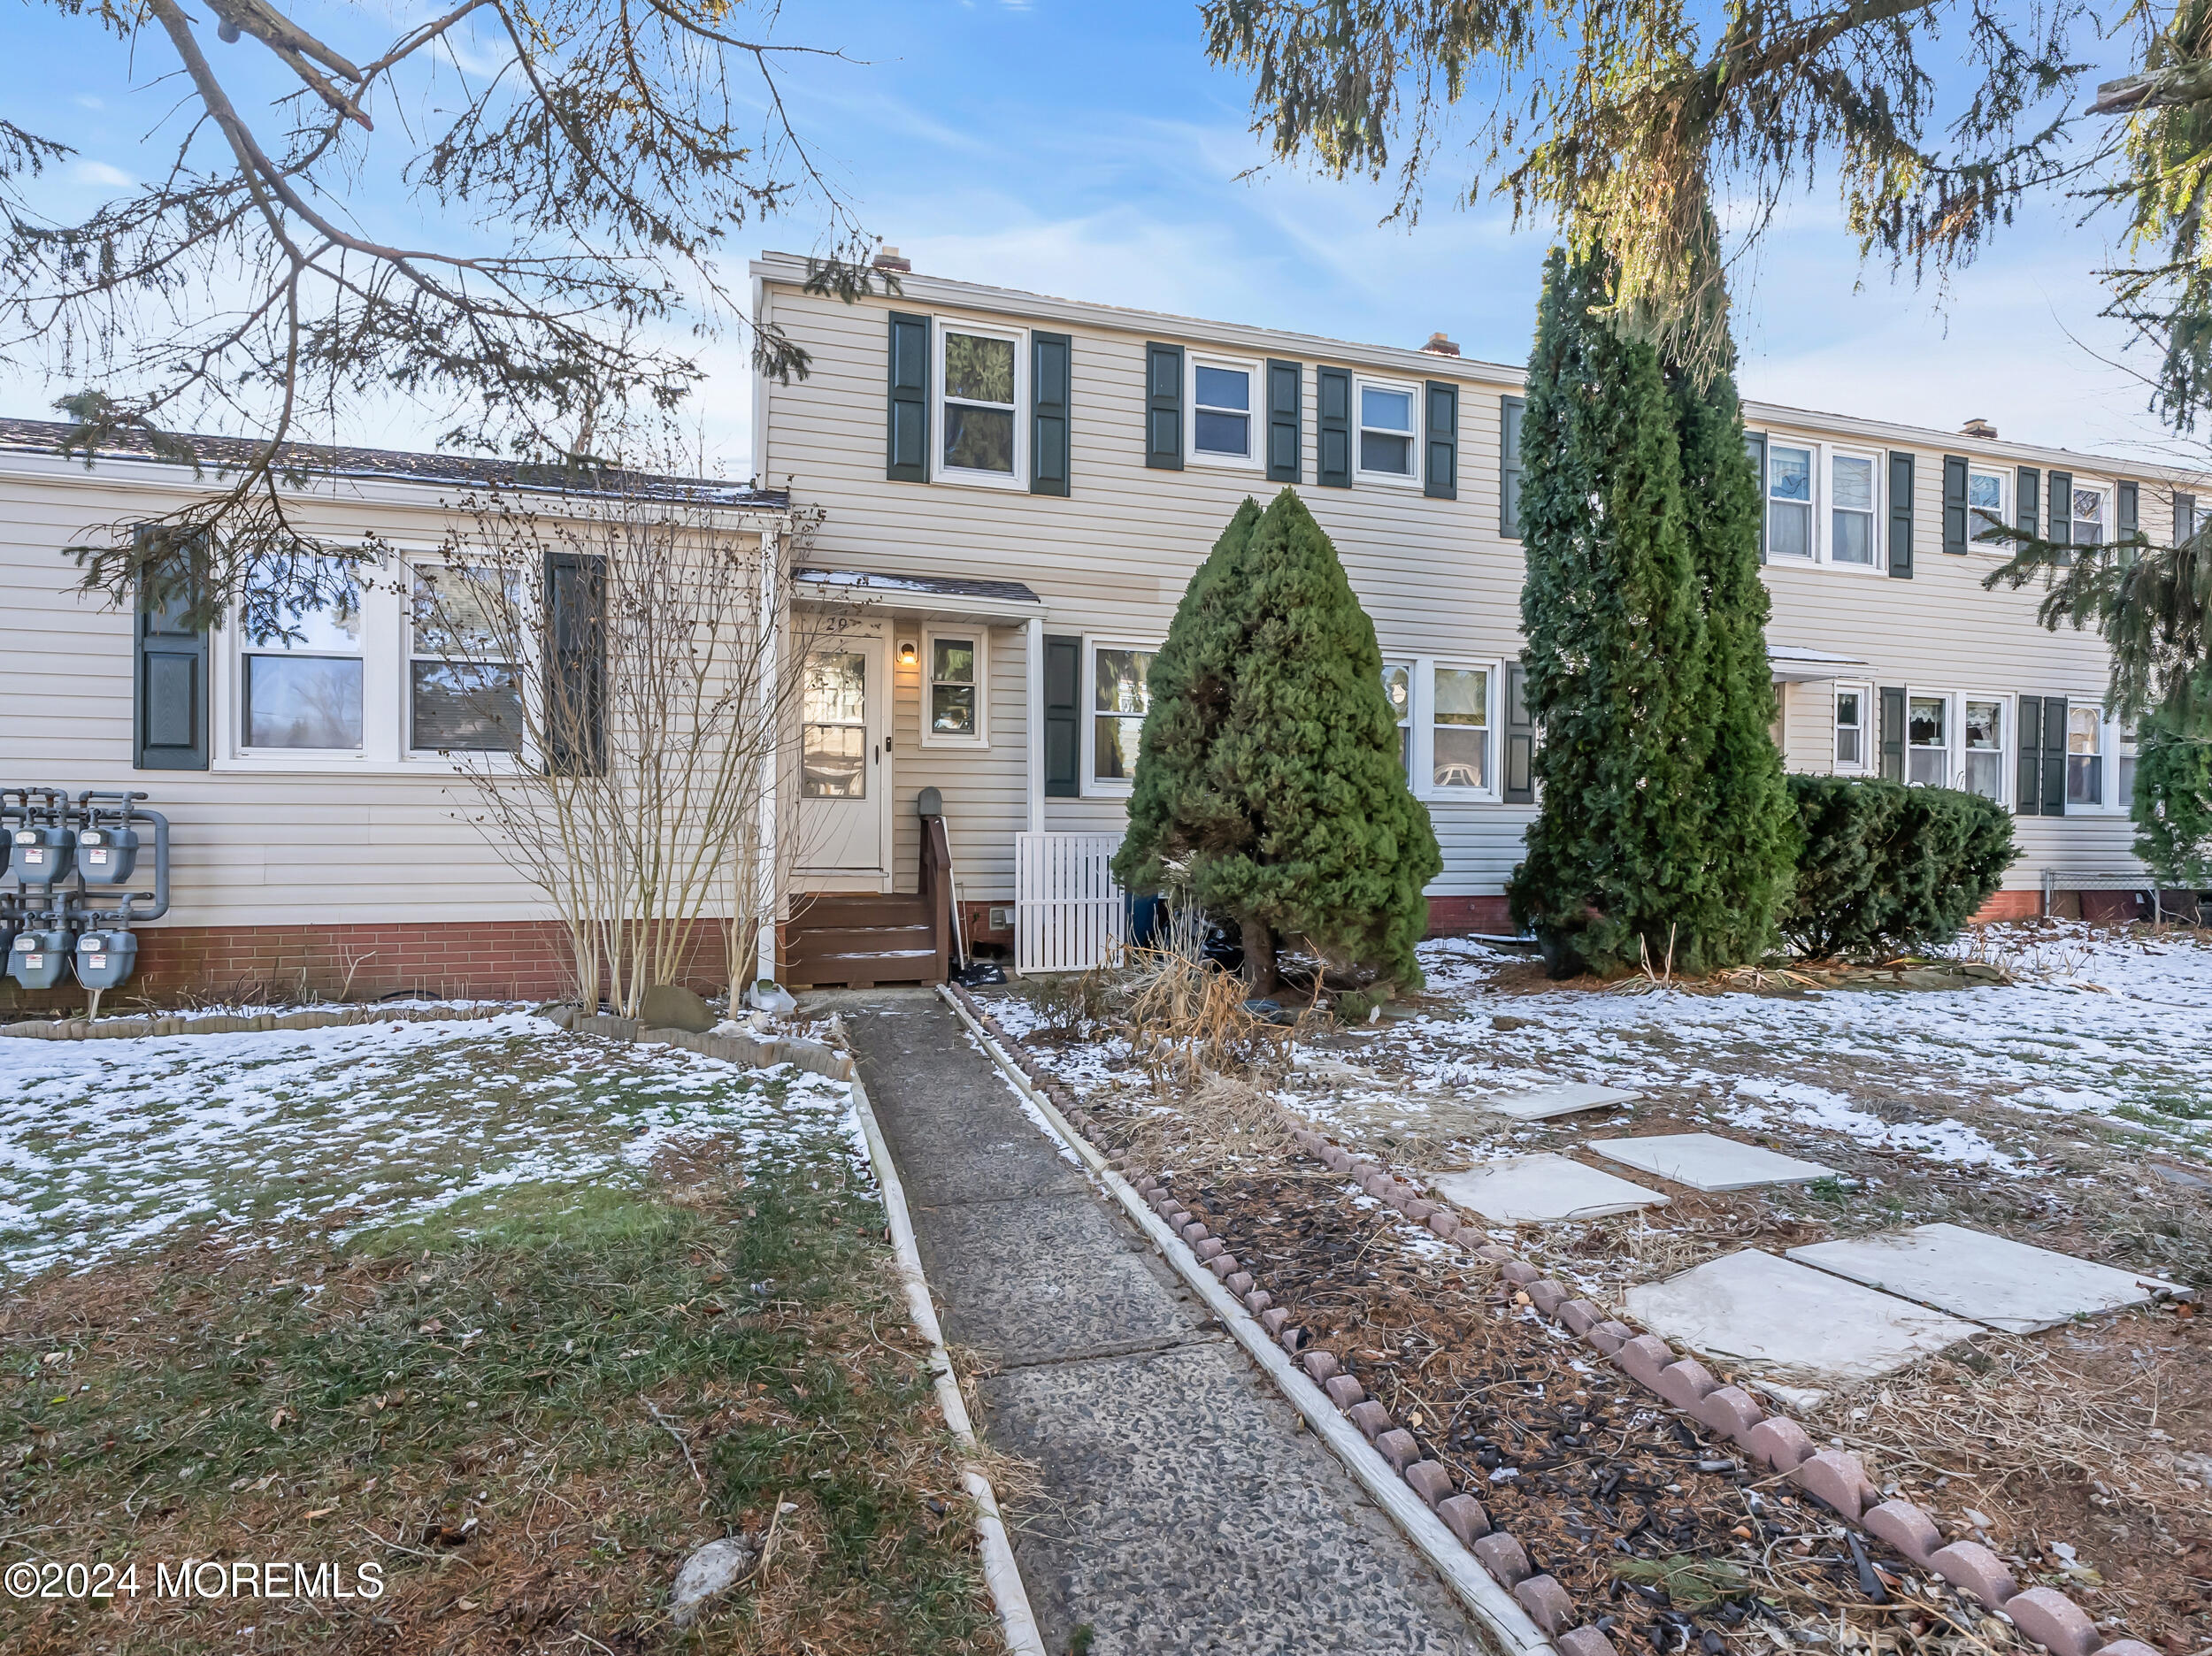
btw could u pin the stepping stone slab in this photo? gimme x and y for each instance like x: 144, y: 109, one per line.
x: 1569, y: 1098
x: 1800, y: 1332
x: 1542, y: 1190
x: 1707, y: 1162
x: 1997, y: 1283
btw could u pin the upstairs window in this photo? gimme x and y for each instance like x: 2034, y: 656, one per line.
x: 980, y: 376
x: 2089, y: 524
x: 1985, y: 493
x: 1221, y: 410
x: 1386, y: 429
x: 1851, y: 509
x: 1789, y: 502
x: 1927, y: 747
x: 1983, y: 729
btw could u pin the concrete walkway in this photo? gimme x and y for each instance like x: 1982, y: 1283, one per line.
x: 1182, y: 1511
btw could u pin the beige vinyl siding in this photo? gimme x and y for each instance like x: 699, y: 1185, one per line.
x: 322, y: 843
x: 986, y: 790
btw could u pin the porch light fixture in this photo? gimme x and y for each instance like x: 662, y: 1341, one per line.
x: 908, y: 653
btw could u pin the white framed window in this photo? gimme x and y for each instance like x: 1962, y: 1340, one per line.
x: 1928, y: 740
x: 1988, y: 492
x: 1224, y: 396
x: 2084, y: 754
x: 982, y: 381
x: 954, y: 685
x: 1789, y: 501
x: 1459, y: 739
x: 1388, y: 442
x: 1398, y: 685
x: 2091, y: 526
x: 304, y: 691
x: 1853, y: 521
x: 1116, y: 680
x: 1851, y: 702
x: 1982, y: 734
x: 2123, y: 762
x: 462, y: 696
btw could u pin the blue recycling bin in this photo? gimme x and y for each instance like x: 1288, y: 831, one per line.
x: 39, y: 956
x: 106, y: 959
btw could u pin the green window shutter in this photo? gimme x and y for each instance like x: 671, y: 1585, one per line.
x: 1894, y: 733
x: 1062, y: 717
x: 1755, y: 445
x: 169, y: 724
x: 1900, y: 514
x: 1333, y: 417
x: 907, y: 457
x: 1164, y: 407
x: 2185, y: 517
x: 1440, y: 477
x: 2027, y: 762
x: 2028, y: 492
x: 2054, y: 755
x: 1051, y: 371
x: 1520, y: 739
x: 2126, y: 510
x: 2059, y: 526
x: 576, y: 663
x: 1285, y: 422
x: 1955, y: 535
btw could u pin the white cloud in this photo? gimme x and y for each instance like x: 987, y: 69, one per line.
x: 101, y: 173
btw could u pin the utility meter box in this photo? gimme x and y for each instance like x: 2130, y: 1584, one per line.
x: 39, y: 957
x: 105, y: 856
x: 41, y: 854
x: 104, y: 959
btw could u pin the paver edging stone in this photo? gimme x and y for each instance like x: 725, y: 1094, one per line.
x: 1837, y: 1478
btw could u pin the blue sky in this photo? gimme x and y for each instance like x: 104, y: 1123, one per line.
x: 1089, y: 150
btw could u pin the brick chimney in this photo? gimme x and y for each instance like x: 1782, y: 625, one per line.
x: 1980, y: 429
x: 1440, y: 346
x: 887, y: 259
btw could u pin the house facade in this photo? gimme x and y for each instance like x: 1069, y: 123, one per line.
x: 1083, y: 457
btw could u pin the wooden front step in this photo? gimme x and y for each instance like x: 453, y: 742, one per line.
x: 861, y: 941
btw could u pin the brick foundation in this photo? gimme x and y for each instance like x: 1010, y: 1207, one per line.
x: 1455, y: 917
x: 506, y: 960
x: 2008, y: 905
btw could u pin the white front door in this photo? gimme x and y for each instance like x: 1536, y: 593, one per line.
x: 844, y: 771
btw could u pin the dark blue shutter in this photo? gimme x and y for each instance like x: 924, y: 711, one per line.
x: 576, y: 663
x: 1164, y: 407
x: 2054, y: 755
x: 1900, y: 514
x: 1441, y: 478
x: 1332, y: 427
x: 1062, y: 717
x: 1755, y: 445
x: 1520, y: 739
x: 1050, y: 372
x: 2060, y: 526
x: 1285, y: 422
x: 907, y: 443
x: 169, y: 723
x: 2027, y: 759
x: 2028, y: 490
x: 2185, y: 517
x: 1894, y: 733
x: 1956, y: 531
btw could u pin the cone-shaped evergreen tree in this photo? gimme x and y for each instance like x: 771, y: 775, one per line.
x: 1171, y: 813
x: 1615, y: 654
x: 1751, y: 825
x: 2172, y: 802
x: 1284, y: 803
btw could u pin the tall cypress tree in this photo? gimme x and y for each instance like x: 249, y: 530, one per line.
x: 1616, y: 862
x: 1171, y: 815
x: 1750, y: 825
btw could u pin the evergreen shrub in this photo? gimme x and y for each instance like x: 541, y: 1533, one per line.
x: 1884, y: 867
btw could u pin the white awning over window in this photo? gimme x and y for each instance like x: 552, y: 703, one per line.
x: 1795, y: 665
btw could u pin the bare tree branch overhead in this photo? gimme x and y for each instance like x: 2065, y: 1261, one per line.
x: 582, y: 166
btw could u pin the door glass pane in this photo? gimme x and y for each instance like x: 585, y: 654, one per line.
x: 978, y: 370
x: 1461, y: 733
x: 833, y: 762
x: 836, y: 688
x: 302, y: 701
x: 834, y: 736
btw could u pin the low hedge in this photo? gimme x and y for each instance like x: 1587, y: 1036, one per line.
x: 1886, y: 867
